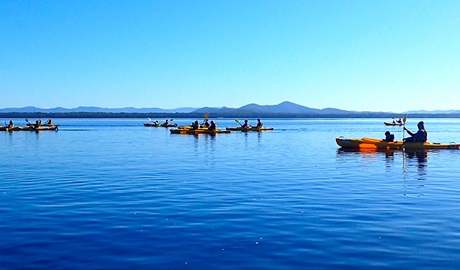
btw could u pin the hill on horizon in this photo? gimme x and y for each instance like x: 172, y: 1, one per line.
x: 285, y: 107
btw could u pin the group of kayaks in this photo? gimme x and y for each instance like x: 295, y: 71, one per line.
x: 38, y: 126
x: 202, y: 129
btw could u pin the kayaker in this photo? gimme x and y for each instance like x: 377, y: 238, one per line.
x: 205, y: 123
x: 11, y: 124
x: 246, y: 124
x: 212, y: 126
x: 389, y: 137
x: 166, y: 123
x: 195, y: 125
x: 259, y: 123
x: 420, y: 136
x: 49, y: 122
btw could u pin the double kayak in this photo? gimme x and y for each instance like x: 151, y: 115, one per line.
x: 249, y: 129
x: 197, y: 131
x: 159, y: 125
x: 42, y: 125
x: 372, y: 143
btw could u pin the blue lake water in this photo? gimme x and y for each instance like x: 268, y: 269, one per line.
x: 113, y: 194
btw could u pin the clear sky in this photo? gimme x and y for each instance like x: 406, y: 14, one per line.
x: 353, y: 55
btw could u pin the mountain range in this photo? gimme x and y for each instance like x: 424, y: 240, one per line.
x: 282, y: 108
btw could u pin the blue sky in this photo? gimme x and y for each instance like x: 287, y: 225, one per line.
x: 353, y: 55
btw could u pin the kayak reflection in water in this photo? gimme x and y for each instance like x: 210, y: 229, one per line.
x: 420, y: 136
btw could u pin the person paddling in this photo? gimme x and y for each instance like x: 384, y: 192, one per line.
x: 195, y: 125
x: 246, y: 124
x: 259, y: 123
x: 212, y: 126
x: 389, y: 137
x: 420, y: 136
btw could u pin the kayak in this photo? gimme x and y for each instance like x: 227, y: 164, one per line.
x: 373, y: 143
x: 42, y: 125
x: 28, y: 128
x: 16, y: 128
x: 41, y: 128
x: 159, y: 125
x: 249, y: 129
x: 198, y: 131
x: 392, y: 124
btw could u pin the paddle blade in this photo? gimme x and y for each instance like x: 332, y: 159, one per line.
x: 206, y: 115
x: 405, y: 118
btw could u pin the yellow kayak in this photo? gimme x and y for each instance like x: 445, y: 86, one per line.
x: 249, y: 129
x: 28, y: 128
x: 373, y: 143
x: 197, y: 131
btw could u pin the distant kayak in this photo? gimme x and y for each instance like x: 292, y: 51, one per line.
x: 159, y: 125
x: 16, y: 128
x: 372, y: 143
x: 41, y: 128
x: 249, y: 129
x: 197, y: 131
x: 42, y: 125
x: 393, y: 124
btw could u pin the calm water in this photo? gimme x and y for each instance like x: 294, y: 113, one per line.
x: 113, y: 194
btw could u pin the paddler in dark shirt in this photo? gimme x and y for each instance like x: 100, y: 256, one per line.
x: 195, y: 125
x: 212, y: 126
x: 389, y: 137
x: 246, y: 124
x: 259, y: 123
x: 420, y: 136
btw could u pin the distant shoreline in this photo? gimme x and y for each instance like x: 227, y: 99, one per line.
x: 218, y: 115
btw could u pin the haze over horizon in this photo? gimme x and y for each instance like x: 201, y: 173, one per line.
x: 352, y: 55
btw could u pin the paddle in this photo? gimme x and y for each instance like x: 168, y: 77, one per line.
x: 404, y: 125
x: 236, y: 120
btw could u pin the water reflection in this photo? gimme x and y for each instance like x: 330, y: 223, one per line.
x: 421, y: 158
x: 411, y: 160
x: 370, y: 151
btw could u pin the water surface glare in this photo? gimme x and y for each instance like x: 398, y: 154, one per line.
x: 113, y: 194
